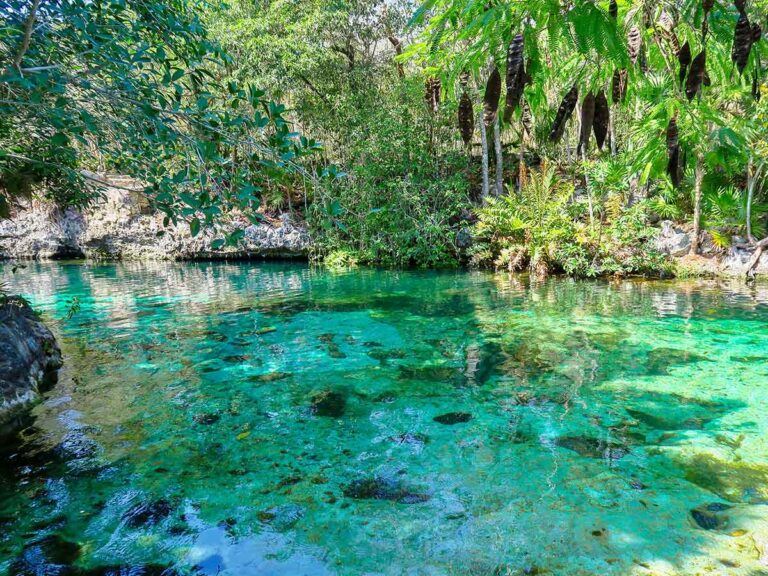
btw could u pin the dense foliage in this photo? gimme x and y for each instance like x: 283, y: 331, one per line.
x: 135, y: 87
x: 548, y: 135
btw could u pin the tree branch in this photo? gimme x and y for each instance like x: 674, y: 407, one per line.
x: 752, y: 264
x: 29, y: 25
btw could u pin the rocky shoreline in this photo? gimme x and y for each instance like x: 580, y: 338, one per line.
x: 29, y: 360
x: 674, y: 240
x: 122, y: 227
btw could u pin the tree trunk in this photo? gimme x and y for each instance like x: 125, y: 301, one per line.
x: 588, y: 190
x: 521, y: 163
x: 499, y: 157
x: 751, y: 179
x: 398, y: 46
x: 29, y: 25
x: 484, y: 142
x: 759, y: 248
x: 699, y: 176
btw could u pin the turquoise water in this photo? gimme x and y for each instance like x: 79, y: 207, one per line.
x: 242, y: 419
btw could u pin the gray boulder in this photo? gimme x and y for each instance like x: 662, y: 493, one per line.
x: 673, y: 240
x: 29, y: 358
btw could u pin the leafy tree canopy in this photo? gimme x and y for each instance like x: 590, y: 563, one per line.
x: 138, y: 87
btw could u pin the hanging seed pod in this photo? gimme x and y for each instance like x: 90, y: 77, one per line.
x: 613, y: 9
x: 742, y: 42
x: 602, y: 118
x: 757, y: 32
x: 515, y: 76
x: 527, y: 120
x: 707, y: 5
x: 672, y: 135
x: 696, y: 75
x: 684, y: 58
x: 491, y: 97
x: 666, y: 29
x: 619, y: 86
x: 564, y: 112
x: 741, y: 6
x: 432, y: 94
x: 587, y: 119
x: 466, y: 118
x: 755, y: 88
x: 673, y: 152
x: 634, y: 43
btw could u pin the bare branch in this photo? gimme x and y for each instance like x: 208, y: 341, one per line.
x: 29, y: 25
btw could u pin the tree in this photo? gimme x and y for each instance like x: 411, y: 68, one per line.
x: 134, y: 86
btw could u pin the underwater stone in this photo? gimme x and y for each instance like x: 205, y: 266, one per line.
x: 139, y: 570
x: 328, y: 403
x: 666, y: 423
x: 453, y: 418
x: 385, y: 397
x: 282, y: 518
x: 147, y: 513
x: 660, y: 360
x: 447, y: 374
x: 383, y: 355
x: 206, y: 419
x: 413, y: 438
x: 51, y: 555
x: 710, y: 517
x: 381, y: 488
x: 592, y: 447
x: 269, y: 377
x: 736, y: 482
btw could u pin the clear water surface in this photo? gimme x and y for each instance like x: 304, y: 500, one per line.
x: 243, y: 419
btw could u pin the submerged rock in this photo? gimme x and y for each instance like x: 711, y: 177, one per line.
x: 328, y: 403
x: 593, y: 447
x: 668, y: 422
x: 206, y: 419
x: 736, y: 482
x: 269, y: 377
x: 710, y: 516
x: 382, y: 355
x: 29, y: 359
x: 412, y: 438
x: 137, y: 570
x: 446, y: 374
x: 453, y: 418
x: 381, y: 488
x: 51, y: 555
x: 283, y: 517
x: 660, y: 360
x: 147, y: 513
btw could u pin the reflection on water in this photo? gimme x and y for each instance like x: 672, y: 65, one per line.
x: 247, y: 419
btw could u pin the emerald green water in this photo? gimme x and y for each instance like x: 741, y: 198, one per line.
x: 243, y: 419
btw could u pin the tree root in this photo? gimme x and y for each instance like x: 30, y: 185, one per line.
x: 752, y: 264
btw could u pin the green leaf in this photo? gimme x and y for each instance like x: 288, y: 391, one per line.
x: 194, y: 227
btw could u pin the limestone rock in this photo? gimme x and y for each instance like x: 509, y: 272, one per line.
x: 29, y: 358
x: 673, y: 240
x: 121, y: 225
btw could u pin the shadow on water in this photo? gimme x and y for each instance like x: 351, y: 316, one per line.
x: 256, y: 419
